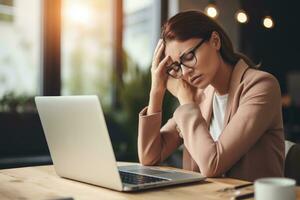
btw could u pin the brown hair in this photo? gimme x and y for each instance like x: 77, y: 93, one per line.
x: 195, y: 24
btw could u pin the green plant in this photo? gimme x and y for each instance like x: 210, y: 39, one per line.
x: 11, y: 102
x: 134, y: 96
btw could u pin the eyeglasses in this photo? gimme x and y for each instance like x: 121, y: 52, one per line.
x: 187, y: 59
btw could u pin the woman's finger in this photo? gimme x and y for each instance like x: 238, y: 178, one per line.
x: 157, y: 57
x: 162, y: 64
x: 157, y: 46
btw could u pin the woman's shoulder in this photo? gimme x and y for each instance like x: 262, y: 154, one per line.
x: 260, y: 88
x: 254, y: 76
x: 260, y: 84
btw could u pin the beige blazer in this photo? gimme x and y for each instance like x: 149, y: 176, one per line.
x: 251, y: 144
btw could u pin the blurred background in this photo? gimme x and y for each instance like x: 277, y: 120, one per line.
x: 79, y: 47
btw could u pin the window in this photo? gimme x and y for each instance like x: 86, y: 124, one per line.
x: 20, y: 44
x: 141, y: 33
x: 87, y: 48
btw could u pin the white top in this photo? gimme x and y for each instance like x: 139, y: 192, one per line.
x: 217, y: 120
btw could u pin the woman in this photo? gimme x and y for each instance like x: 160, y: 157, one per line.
x: 229, y: 119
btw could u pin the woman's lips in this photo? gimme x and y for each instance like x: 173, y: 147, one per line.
x: 196, y: 79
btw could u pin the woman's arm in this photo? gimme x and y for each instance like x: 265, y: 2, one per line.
x: 155, y: 144
x: 260, y: 103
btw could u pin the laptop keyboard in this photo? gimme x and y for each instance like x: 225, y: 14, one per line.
x: 136, y: 179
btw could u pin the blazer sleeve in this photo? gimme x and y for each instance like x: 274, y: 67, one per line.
x: 155, y: 144
x: 259, y: 103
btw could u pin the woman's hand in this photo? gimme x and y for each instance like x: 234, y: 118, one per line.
x: 186, y: 93
x: 180, y: 89
x: 159, y: 79
x: 172, y: 85
x: 159, y: 76
x: 183, y: 91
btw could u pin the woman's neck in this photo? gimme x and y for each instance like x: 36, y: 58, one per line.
x: 222, y: 78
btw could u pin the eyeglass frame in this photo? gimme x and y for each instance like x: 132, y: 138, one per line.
x: 193, y: 50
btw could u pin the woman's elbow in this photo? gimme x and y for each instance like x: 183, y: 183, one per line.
x: 210, y: 172
x: 148, y: 161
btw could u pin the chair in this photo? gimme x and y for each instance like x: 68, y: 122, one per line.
x: 292, y: 161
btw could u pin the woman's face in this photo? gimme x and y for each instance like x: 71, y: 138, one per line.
x: 207, y: 56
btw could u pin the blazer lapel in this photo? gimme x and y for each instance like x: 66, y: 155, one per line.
x: 236, y: 78
x: 206, y: 103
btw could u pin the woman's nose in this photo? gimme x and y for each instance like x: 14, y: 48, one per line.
x: 186, y: 71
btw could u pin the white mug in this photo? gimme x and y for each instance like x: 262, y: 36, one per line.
x: 275, y: 189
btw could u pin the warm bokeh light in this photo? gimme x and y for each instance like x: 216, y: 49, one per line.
x: 211, y: 10
x: 79, y: 14
x: 268, y: 22
x: 241, y: 17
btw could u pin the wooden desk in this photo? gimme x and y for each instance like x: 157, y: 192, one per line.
x: 42, y: 183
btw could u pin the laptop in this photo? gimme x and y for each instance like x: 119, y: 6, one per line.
x: 81, y: 149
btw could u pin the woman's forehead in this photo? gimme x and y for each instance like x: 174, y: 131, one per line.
x: 175, y: 48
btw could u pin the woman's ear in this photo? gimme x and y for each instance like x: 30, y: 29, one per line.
x: 215, y: 40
